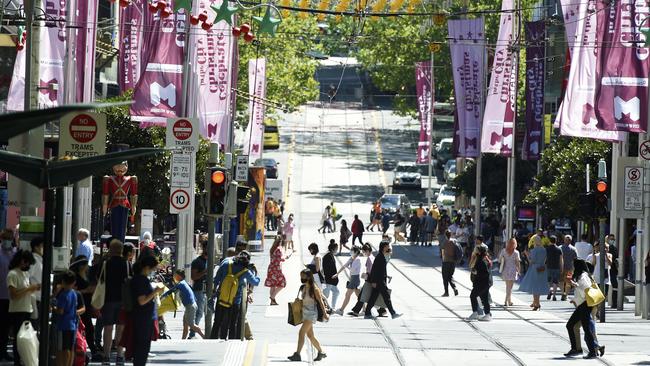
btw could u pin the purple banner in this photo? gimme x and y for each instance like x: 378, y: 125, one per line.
x: 257, y: 90
x: 52, y: 34
x: 129, y: 64
x: 622, y: 68
x: 212, y: 65
x: 423, y: 88
x: 535, y: 69
x: 467, y: 46
x: 86, y: 35
x: 577, y: 115
x: 158, y: 94
x: 499, y: 117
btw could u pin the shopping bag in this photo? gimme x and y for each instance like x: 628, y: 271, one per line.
x: 593, y: 295
x: 27, y: 342
x: 366, y: 291
x: 295, y: 312
x: 99, y: 296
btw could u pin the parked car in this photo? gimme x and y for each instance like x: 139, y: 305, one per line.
x: 270, y: 165
x: 449, y: 172
x: 407, y: 174
x: 393, y: 202
x: 446, y: 197
x: 444, y: 151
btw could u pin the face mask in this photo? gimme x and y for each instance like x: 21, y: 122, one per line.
x: 387, y: 255
x: 6, y: 244
x: 303, y: 280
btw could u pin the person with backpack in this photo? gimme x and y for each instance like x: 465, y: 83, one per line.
x: 189, y: 302
x: 480, y: 276
x: 451, y: 254
x: 510, y: 267
x: 231, y: 278
x: 313, y: 309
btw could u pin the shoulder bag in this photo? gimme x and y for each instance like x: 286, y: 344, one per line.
x: 593, y: 295
x: 295, y: 311
x: 99, y: 296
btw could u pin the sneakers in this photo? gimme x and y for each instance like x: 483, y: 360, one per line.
x: 554, y: 298
x: 339, y: 312
x: 455, y: 292
x: 601, y: 350
x: 563, y: 298
x: 295, y: 357
x: 548, y: 297
x: 474, y: 316
x: 368, y: 316
x: 590, y: 355
x: 572, y: 352
x: 396, y: 316
x: 485, y: 318
x: 446, y: 294
x: 320, y: 356
x: 352, y: 313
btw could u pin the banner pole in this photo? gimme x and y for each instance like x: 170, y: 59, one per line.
x: 433, y: 98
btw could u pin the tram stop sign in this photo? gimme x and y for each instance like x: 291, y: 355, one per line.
x: 82, y: 135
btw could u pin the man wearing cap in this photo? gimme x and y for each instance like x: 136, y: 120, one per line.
x: 120, y: 195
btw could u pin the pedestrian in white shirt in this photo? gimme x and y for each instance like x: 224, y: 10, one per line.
x: 85, y: 246
x: 36, y: 273
x: 352, y: 286
x: 594, y: 259
x: 583, y: 248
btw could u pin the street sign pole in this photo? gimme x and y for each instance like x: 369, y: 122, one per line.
x: 645, y: 247
x: 209, y: 285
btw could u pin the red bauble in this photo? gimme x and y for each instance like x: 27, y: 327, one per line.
x: 166, y: 13
x: 236, y: 31
x: 249, y: 37
x: 206, y: 25
x: 194, y: 20
x: 20, y: 47
x: 245, y: 28
x: 162, y: 4
x: 153, y: 7
x: 203, y: 16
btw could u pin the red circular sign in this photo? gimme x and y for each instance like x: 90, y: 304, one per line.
x: 644, y: 150
x: 634, y: 174
x: 179, y: 199
x: 182, y: 129
x: 83, y: 128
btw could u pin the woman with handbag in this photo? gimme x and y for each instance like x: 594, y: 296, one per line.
x: 312, y: 307
x: 316, y: 265
x: 583, y: 284
x: 510, y: 268
x: 535, y: 281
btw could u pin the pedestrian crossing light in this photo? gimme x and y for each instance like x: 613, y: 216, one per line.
x: 601, y: 200
x: 217, y: 180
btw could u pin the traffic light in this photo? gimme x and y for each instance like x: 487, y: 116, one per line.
x: 586, y: 206
x: 601, y: 208
x: 217, y: 181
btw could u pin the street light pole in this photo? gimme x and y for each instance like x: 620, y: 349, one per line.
x: 433, y: 98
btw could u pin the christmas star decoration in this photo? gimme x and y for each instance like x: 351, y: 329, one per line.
x: 268, y: 24
x: 224, y: 12
x: 183, y: 4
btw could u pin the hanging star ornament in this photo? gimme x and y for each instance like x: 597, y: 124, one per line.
x: 268, y: 24
x: 224, y: 12
x: 183, y: 4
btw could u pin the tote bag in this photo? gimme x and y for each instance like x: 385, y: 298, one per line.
x: 295, y: 312
x: 593, y: 295
x: 99, y: 296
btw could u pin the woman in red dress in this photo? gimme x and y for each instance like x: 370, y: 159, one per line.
x: 274, y: 276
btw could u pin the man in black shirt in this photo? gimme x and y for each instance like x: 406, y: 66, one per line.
x: 199, y: 271
x: 554, y: 266
x: 115, y: 273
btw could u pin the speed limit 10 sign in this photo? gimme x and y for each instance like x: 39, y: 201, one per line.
x: 179, y: 201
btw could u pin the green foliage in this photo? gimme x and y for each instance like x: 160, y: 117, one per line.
x: 494, y: 170
x: 562, y: 177
x: 152, y: 173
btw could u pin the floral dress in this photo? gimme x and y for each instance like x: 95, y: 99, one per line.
x: 274, y: 276
x: 509, y: 272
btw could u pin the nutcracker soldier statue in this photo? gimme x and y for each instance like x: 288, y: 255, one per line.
x: 120, y: 195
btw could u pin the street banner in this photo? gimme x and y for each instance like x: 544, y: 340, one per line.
x: 467, y: 46
x: 257, y: 90
x: 86, y: 37
x: 577, y: 115
x: 212, y: 56
x: 159, y: 92
x: 535, y: 69
x: 570, y: 11
x: 622, y: 66
x: 52, y: 34
x: 499, y: 117
x: 424, y: 93
x: 131, y: 37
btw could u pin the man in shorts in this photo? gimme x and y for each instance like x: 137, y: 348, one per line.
x: 569, y: 254
x: 554, y: 266
x: 189, y: 302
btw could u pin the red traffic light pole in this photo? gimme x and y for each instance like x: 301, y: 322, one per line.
x: 601, y: 211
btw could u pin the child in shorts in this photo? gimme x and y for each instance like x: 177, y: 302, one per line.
x: 66, y: 324
x: 189, y: 302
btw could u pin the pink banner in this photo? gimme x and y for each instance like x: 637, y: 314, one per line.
x: 570, y: 11
x: 253, y: 141
x: 132, y: 32
x: 159, y: 92
x: 86, y: 36
x: 51, y: 59
x: 424, y: 93
x: 622, y: 68
x: 467, y: 46
x: 499, y: 117
x: 212, y: 66
x: 577, y: 115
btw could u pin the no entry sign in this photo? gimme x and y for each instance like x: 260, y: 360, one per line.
x: 82, y: 135
x: 183, y: 134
